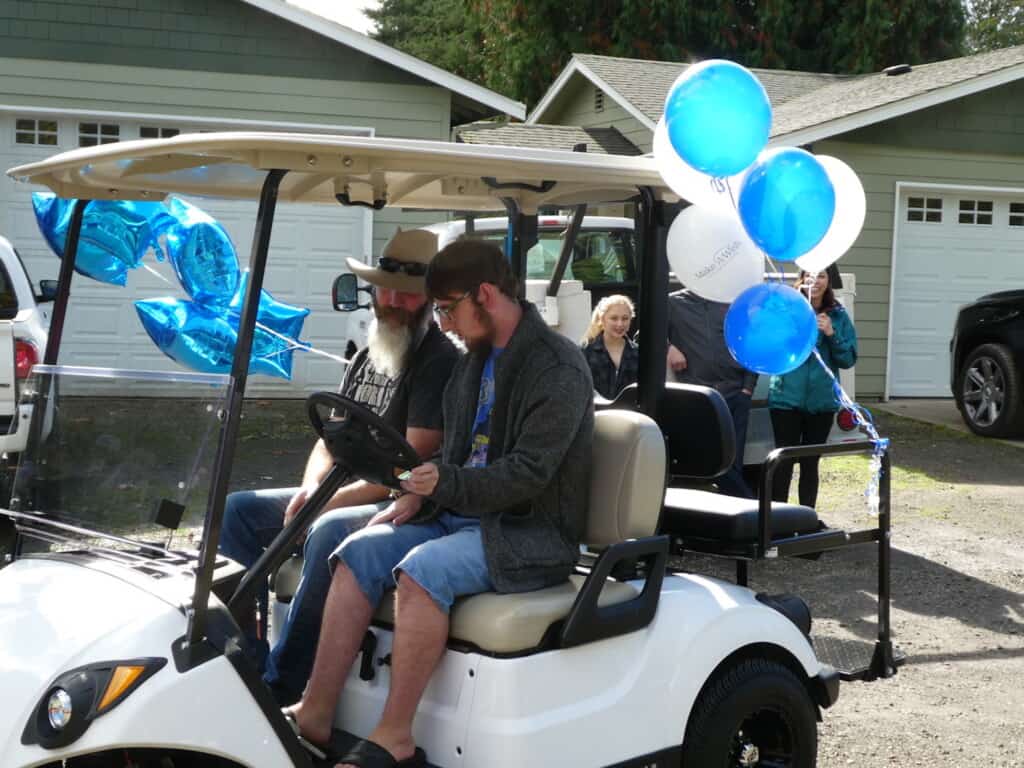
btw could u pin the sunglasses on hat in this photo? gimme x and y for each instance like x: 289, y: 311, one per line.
x: 413, y: 269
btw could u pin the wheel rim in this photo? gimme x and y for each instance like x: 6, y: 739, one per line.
x: 764, y: 739
x: 984, y: 391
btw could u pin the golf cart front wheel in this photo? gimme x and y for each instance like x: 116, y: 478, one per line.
x: 754, y: 713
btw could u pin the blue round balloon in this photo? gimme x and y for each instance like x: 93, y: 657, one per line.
x: 718, y: 116
x: 787, y: 203
x: 770, y: 329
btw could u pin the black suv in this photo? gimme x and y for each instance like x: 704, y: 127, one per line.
x: 987, y: 364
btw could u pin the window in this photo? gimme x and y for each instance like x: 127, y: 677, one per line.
x: 152, y: 132
x: 91, y: 134
x: 975, y: 212
x: 8, y: 298
x: 1017, y: 214
x: 598, y: 100
x: 28, y: 131
x: 926, y: 209
x: 600, y: 256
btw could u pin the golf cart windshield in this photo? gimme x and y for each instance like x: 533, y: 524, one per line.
x: 117, y: 460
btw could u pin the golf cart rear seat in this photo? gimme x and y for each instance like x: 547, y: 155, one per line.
x: 701, y: 444
x: 626, y: 490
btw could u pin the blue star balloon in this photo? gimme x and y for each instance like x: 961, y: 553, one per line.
x: 202, y: 255
x: 279, y: 317
x: 203, y: 338
x: 114, y: 238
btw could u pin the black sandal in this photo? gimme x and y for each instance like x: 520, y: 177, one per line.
x: 320, y: 753
x: 369, y: 754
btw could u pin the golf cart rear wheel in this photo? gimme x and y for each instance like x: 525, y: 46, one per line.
x: 989, y: 392
x: 754, y: 713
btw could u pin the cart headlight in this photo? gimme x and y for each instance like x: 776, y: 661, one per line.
x: 58, y: 709
x: 78, y: 697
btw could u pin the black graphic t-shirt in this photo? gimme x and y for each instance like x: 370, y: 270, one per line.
x: 413, y: 398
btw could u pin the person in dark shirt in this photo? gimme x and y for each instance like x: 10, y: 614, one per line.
x: 697, y: 354
x: 613, y: 357
x: 400, y: 375
x: 502, y: 508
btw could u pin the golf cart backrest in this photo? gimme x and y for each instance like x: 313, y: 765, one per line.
x: 627, y: 478
x: 697, y: 426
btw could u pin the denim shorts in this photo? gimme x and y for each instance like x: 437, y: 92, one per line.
x: 445, y: 557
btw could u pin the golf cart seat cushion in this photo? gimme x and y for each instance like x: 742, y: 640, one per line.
x: 697, y: 514
x: 516, y: 622
x: 627, y: 484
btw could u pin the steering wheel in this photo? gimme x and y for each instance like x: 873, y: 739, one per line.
x: 360, y: 440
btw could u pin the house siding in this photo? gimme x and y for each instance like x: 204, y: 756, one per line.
x: 575, y: 106
x: 210, y: 35
x: 880, y: 168
x: 402, y: 111
x: 991, y: 122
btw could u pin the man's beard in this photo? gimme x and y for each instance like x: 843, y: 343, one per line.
x: 390, y: 336
x: 486, y: 339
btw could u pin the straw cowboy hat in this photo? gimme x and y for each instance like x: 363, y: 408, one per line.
x: 403, y: 262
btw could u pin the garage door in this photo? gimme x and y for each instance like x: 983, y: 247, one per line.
x: 308, y: 249
x: 951, y: 248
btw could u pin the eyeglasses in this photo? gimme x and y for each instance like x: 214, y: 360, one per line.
x: 447, y: 312
x: 411, y: 268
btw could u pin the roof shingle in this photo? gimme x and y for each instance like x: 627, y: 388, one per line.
x: 605, y: 141
x: 802, y: 100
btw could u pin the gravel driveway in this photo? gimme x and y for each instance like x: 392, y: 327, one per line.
x: 957, y: 605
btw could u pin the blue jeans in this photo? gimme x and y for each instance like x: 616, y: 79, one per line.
x: 732, y: 482
x: 291, y: 659
x: 252, y: 519
x: 445, y: 557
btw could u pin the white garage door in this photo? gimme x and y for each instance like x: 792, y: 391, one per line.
x: 308, y: 249
x: 952, y: 247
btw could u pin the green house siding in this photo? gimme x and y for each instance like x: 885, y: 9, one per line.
x: 575, y: 106
x: 991, y: 122
x: 405, y: 111
x: 410, y: 111
x: 880, y: 167
x: 212, y: 35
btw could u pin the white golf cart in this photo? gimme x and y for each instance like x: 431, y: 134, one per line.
x: 120, y: 644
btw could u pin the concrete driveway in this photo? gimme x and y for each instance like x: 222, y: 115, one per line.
x: 940, y: 411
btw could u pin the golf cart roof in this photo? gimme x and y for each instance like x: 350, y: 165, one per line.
x: 397, y: 172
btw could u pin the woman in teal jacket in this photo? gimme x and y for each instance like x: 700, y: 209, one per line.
x: 802, y: 402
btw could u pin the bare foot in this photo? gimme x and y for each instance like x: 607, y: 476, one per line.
x: 315, y: 729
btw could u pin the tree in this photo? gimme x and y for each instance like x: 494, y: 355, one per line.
x: 993, y: 24
x: 518, y: 47
x: 432, y: 30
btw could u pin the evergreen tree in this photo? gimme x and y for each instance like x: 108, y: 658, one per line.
x: 993, y: 24
x: 518, y: 47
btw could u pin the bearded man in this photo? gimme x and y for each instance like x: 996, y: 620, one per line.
x: 400, y: 375
x: 501, y: 508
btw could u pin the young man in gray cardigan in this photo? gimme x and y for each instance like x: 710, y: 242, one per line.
x: 503, y: 509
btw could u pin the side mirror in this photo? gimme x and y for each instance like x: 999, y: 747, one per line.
x: 47, y: 290
x: 345, y: 294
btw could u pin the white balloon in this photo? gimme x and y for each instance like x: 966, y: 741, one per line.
x: 689, y: 183
x: 712, y: 255
x: 851, y: 208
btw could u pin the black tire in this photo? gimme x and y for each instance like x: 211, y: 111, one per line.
x: 755, y: 711
x: 989, y: 392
